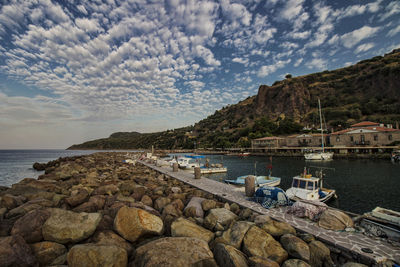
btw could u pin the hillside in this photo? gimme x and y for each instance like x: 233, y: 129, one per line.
x: 368, y: 90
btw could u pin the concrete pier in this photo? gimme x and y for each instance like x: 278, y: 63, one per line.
x: 355, y: 244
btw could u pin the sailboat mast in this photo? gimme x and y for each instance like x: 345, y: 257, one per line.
x: 322, y: 130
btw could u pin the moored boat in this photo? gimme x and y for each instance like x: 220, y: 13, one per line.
x: 259, y: 180
x: 382, y: 222
x: 306, y: 187
x: 395, y: 155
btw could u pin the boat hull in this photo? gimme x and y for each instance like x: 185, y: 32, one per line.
x: 319, y: 156
x: 259, y: 181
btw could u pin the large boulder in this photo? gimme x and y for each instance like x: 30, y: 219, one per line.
x: 296, y: 247
x: 335, y: 220
x: 108, y: 237
x: 257, y: 242
x: 15, y: 252
x: 228, y: 256
x: 65, y: 226
x: 47, y: 253
x: 193, y: 208
x: 30, y: 225
x: 235, y: 234
x: 221, y: 216
x: 185, y: 228
x: 295, y: 263
x: 161, y: 202
x: 256, y: 261
x: 172, y: 251
x: 132, y: 223
x: 77, y: 197
x: 320, y: 254
x: 10, y: 201
x: 97, y: 255
x: 275, y: 228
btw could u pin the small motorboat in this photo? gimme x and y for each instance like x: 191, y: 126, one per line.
x: 244, y: 154
x: 306, y: 187
x: 259, y: 180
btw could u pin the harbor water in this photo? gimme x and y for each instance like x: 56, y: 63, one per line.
x: 360, y: 184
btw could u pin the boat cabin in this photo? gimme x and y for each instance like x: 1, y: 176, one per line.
x: 308, y: 183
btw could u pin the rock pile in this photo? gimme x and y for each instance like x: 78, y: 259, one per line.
x: 96, y: 210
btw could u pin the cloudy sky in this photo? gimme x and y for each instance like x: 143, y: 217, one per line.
x: 72, y: 71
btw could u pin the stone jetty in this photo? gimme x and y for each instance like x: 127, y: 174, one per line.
x: 97, y: 210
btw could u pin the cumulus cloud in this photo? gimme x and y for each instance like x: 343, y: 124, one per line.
x: 268, y: 69
x: 364, y: 47
x: 317, y: 63
x: 352, y: 38
x: 394, y: 31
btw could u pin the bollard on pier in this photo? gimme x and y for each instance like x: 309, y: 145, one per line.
x: 250, y: 186
x: 175, y: 167
x: 197, y: 173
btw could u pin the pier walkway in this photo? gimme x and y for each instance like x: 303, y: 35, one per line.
x: 364, y: 248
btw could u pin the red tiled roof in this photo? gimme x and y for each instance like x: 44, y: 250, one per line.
x: 379, y: 129
x: 365, y: 124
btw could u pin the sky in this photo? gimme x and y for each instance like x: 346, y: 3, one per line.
x: 73, y: 71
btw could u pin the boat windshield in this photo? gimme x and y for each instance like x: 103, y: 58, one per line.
x: 299, y: 183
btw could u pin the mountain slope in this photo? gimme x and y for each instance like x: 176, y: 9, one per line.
x: 368, y: 90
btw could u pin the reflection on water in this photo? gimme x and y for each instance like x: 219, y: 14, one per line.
x: 360, y: 185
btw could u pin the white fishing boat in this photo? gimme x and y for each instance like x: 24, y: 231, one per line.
x: 307, y: 187
x: 258, y: 180
x: 319, y: 154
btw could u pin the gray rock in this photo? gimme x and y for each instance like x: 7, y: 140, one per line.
x: 235, y: 234
x: 194, y: 208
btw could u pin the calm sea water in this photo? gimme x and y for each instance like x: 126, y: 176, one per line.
x: 361, y: 185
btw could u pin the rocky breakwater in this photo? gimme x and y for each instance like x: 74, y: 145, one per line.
x: 96, y: 210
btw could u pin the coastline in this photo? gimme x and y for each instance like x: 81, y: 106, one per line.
x: 102, y: 195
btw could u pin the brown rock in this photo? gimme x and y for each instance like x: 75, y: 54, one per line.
x: 30, y: 225
x: 228, y: 256
x: 109, y: 189
x: 132, y: 223
x: 277, y: 229
x: 235, y: 234
x: 195, y: 207
x: 257, y: 242
x: 10, y: 202
x: 256, y: 261
x: 65, y: 226
x: 219, y: 217
x: 108, y: 237
x: 15, y: 252
x: 172, y: 210
x: 146, y: 200
x: 161, y: 202
x: 47, y: 252
x: 173, y: 251
x: 77, y: 197
x: 185, y: 228
x: 208, y: 204
x: 97, y: 255
x: 296, y: 247
x: 320, y: 255
x: 295, y: 263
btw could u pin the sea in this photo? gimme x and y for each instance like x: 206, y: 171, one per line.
x: 360, y: 184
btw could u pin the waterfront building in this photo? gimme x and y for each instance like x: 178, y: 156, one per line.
x: 268, y: 142
x: 365, y: 133
x: 306, y: 140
